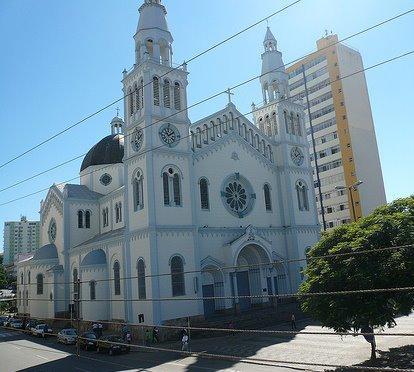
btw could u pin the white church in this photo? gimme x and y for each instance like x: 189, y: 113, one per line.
x: 173, y: 210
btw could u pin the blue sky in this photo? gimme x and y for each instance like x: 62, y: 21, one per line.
x: 61, y: 60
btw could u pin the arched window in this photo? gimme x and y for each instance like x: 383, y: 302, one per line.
x: 298, y: 130
x: 131, y: 101
x: 88, y: 219
x: 165, y: 184
x: 285, y: 118
x: 117, y: 279
x: 268, y: 126
x: 302, y: 194
x: 142, y: 292
x: 156, y: 90
x: 27, y: 297
x: 137, y: 97
x: 21, y: 278
x: 268, y: 201
x: 20, y: 298
x: 105, y: 217
x: 177, y: 276
x: 205, y: 133
x: 166, y: 94
x: 141, y: 90
x: 292, y: 123
x: 28, y: 277
x: 212, y: 131
x: 80, y: 219
x: 150, y: 48
x: 177, y: 96
x: 176, y: 189
x: 39, y: 284
x: 75, y: 280
x: 92, y: 290
x: 198, y: 137
x: 118, y: 212
x: 261, y: 125
x: 171, y: 187
x: 205, y: 204
x: 138, y: 190
x: 274, y: 123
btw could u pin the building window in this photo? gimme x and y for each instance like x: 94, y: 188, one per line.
x: 75, y: 280
x: 177, y: 276
x: 88, y: 219
x: 142, y: 292
x: 39, y: 284
x: 27, y: 297
x: 166, y: 94
x: 80, y: 219
x: 92, y: 290
x: 138, y: 190
x: 171, y: 187
x: 28, y: 277
x: 302, y: 195
x: 205, y: 204
x: 285, y: 118
x: 21, y: 278
x: 117, y: 279
x: 268, y: 201
x: 177, y: 96
x: 131, y: 101
x: 118, y: 212
x: 105, y: 217
x: 141, y: 90
x: 156, y: 90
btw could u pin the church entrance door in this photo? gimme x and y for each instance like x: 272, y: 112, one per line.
x: 243, y: 289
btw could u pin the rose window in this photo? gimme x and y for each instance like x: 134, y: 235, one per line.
x: 237, y: 195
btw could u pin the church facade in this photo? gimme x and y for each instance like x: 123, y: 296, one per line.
x: 168, y: 211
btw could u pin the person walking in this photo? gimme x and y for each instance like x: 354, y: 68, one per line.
x: 184, y: 341
x: 100, y: 330
x: 155, y: 335
x: 293, y: 322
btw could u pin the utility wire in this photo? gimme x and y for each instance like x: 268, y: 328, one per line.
x: 166, y: 73
x: 189, y: 135
x: 268, y: 264
x: 199, y: 102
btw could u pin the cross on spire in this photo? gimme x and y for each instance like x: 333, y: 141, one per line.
x: 229, y: 94
x: 117, y: 111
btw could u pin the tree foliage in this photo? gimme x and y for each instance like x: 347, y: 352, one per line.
x: 389, y: 225
x: 3, y: 276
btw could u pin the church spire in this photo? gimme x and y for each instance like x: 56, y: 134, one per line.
x: 273, y: 79
x: 153, y: 39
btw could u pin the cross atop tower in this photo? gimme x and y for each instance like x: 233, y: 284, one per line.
x: 229, y: 94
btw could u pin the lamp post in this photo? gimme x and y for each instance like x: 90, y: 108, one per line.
x: 351, y: 188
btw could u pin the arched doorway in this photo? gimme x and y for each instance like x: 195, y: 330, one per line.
x: 212, y: 286
x: 250, y: 276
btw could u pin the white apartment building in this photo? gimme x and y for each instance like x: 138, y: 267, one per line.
x: 345, y: 142
x: 21, y: 238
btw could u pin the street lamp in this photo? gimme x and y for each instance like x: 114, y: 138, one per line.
x: 351, y: 188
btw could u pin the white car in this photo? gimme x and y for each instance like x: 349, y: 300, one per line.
x: 67, y: 336
x: 41, y: 330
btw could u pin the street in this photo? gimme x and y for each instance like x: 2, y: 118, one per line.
x: 19, y: 352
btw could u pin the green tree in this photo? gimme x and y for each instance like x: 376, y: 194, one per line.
x: 3, y: 276
x: 389, y: 225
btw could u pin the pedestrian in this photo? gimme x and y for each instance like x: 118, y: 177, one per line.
x: 95, y: 329
x: 293, y: 322
x: 184, y: 341
x: 128, y: 337
x: 155, y: 335
x: 100, y: 330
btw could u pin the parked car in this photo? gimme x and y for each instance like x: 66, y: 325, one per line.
x: 3, y: 319
x: 88, y: 341
x: 67, y: 336
x: 8, y: 320
x: 31, y: 323
x: 41, y: 330
x: 16, y: 323
x: 105, y: 344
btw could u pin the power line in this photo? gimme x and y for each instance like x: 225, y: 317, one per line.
x: 235, y: 297
x: 211, y: 96
x: 189, y: 135
x: 267, y: 265
x: 166, y: 73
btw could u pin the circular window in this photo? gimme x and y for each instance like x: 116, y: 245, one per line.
x: 52, y: 230
x: 237, y: 195
x: 105, y: 179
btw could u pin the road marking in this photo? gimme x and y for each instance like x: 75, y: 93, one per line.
x: 42, y: 357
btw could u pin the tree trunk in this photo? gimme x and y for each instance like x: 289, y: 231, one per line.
x: 373, y: 349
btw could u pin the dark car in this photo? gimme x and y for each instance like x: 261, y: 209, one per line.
x: 31, y: 323
x: 110, y: 344
x: 3, y: 319
x: 88, y: 341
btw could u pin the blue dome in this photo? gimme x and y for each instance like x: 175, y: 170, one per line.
x: 47, y: 252
x: 97, y: 257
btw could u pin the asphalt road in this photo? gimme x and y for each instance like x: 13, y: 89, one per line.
x: 21, y: 352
